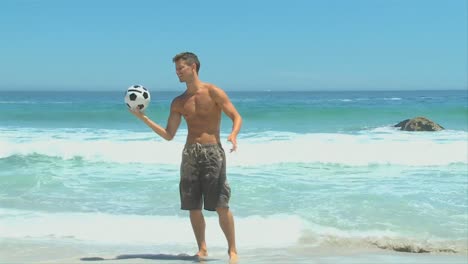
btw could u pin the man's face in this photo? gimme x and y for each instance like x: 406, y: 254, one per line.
x: 184, y: 71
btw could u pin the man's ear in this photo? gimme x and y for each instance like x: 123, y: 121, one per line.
x: 194, y: 68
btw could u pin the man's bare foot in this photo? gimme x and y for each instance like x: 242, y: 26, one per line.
x: 202, y: 254
x: 233, y: 257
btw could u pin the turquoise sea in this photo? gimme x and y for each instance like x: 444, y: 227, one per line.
x: 313, y: 171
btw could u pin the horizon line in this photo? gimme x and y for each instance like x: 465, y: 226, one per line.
x: 266, y: 90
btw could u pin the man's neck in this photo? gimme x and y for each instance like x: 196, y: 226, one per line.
x: 193, y: 86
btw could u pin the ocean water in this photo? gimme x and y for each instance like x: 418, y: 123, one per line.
x: 313, y: 170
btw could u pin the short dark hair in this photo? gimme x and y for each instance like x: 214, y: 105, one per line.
x: 189, y: 57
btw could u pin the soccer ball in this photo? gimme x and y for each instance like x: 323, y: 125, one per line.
x: 137, y: 97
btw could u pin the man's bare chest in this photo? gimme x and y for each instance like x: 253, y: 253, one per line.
x: 198, y: 107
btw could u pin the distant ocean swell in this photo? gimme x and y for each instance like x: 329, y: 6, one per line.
x: 302, y: 112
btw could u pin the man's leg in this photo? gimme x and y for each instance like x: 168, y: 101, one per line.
x: 226, y: 221
x: 198, y: 226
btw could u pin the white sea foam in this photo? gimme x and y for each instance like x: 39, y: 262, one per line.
x: 378, y: 146
x: 317, y: 235
x: 254, y: 231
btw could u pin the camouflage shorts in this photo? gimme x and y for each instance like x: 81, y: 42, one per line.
x: 203, y: 177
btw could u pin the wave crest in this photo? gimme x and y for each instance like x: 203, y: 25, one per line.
x: 373, y: 147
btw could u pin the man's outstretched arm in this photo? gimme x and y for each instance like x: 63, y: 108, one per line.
x: 173, y: 123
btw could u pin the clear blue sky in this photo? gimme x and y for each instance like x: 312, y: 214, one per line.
x: 242, y: 45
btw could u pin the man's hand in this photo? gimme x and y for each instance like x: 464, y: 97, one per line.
x: 137, y: 113
x: 233, y: 140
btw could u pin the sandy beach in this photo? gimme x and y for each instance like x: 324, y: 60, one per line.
x: 23, y: 251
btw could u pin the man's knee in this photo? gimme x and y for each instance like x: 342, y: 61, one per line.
x: 195, y: 212
x: 222, y: 210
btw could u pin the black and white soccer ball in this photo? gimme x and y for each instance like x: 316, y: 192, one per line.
x: 137, y: 97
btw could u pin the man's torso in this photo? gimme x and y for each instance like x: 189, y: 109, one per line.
x: 202, y: 114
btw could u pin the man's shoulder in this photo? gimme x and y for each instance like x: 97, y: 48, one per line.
x: 211, y: 88
x: 216, y: 93
x: 207, y: 85
x: 178, y: 99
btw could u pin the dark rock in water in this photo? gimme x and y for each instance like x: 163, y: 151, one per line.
x: 402, y: 123
x: 419, y: 124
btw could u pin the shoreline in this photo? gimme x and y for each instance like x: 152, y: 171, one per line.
x: 65, y: 251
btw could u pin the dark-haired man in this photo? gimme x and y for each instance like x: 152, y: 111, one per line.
x: 203, y: 170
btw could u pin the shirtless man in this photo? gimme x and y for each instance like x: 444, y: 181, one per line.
x: 203, y: 170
